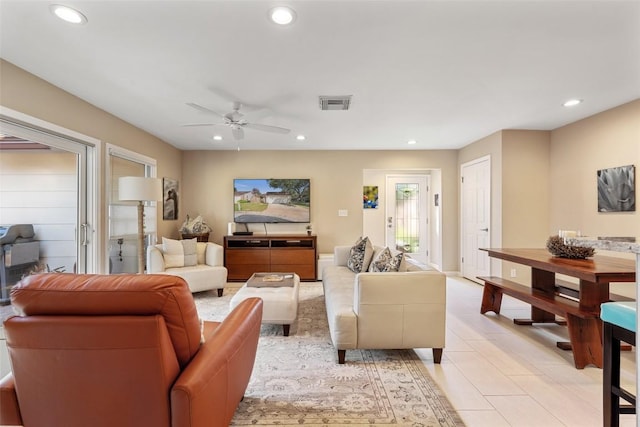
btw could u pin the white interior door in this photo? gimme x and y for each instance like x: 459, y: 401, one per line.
x: 476, y: 217
x: 407, y: 216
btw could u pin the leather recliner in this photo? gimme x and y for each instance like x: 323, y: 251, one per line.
x: 123, y: 350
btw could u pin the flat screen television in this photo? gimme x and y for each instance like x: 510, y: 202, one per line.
x: 271, y: 200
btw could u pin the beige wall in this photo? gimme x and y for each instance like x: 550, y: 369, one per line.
x: 578, y: 151
x: 519, y: 190
x: 543, y: 181
x: 336, y: 183
x: 28, y: 94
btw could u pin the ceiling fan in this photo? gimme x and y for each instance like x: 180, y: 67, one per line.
x: 235, y: 121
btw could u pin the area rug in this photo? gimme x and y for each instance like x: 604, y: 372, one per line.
x: 297, y: 380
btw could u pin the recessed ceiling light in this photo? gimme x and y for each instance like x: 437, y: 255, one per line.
x: 412, y: 142
x: 572, y: 102
x: 68, y: 14
x: 282, y: 15
x: 301, y: 137
x: 217, y: 138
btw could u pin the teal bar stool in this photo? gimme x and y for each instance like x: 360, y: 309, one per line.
x: 619, y: 322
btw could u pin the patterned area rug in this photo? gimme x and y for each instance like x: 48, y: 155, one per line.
x: 298, y: 381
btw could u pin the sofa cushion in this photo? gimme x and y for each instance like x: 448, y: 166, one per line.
x: 386, y: 262
x: 360, y: 255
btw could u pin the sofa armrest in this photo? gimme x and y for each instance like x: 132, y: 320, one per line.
x: 155, y: 260
x: 341, y: 255
x: 214, y: 255
x: 9, y: 409
x: 210, y: 388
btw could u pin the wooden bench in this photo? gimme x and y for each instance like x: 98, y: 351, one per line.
x: 495, y: 287
x: 583, y: 325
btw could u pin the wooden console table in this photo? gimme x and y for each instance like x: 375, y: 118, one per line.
x: 245, y: 255
x: 582, y: 316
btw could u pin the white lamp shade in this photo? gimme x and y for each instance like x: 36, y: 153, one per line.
x: 139, y: 188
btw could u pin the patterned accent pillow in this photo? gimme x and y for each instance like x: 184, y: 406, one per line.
x: 360, y: 255
x: 385, y: 262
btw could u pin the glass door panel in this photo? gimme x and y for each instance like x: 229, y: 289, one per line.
x: 123, y: 215
x: 407, y: 215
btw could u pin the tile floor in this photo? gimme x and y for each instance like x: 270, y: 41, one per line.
x: 496, y: 373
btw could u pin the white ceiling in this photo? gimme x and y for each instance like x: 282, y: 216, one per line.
x: 444, y: 73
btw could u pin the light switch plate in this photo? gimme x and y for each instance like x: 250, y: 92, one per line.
x: 343, y: 212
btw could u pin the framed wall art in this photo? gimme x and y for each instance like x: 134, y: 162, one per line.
x: 370, y: 197
x: 617, y: 189
x: 169, y: 199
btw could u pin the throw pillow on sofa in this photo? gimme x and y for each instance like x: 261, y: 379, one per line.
x: 386, y: 262
x: 360, y: 255
x: 179, y: 253
x: 190, y: 251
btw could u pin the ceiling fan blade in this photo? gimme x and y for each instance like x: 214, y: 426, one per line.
x: 203, y: 109
x: 266, y: 128
x: 237, y: 132
x: 199, y: 124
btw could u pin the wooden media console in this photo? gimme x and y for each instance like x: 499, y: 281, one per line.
x: 245, y: 255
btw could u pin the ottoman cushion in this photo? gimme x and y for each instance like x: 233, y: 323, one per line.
x: 280, y: 304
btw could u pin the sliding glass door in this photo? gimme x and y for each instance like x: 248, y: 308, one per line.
x: 48, y: 180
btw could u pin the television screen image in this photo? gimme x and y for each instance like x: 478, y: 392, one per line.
x: 271, y: 200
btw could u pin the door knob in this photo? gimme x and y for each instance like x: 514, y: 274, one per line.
x: 484, y: 229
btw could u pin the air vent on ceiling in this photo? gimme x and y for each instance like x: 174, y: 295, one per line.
x: 335, y: 102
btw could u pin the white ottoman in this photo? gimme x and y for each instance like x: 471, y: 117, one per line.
x: 279, y: 304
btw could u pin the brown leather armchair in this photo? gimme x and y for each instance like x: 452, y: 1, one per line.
x: 123, y: 350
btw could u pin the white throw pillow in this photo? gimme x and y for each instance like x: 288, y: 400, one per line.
x: 173, y: 252
x: 190, y: 251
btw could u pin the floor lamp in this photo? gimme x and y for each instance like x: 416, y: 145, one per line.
x: 139, y: 189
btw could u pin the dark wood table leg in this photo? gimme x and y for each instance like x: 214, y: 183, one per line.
x: 543, y: 282
x: 586, y: 341
x: 491, y: 299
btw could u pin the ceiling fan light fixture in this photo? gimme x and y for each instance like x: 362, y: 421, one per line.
x: 68, y: 14
x: 412, y: 142
x: 217, y: 138
x: 301, y: 137
x: 282, y: 15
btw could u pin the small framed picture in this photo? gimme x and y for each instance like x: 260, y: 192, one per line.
x: 370, y: 197
x: 169, y: 199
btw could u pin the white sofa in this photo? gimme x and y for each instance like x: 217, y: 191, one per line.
x: 392, y: 310
x: 209, y: 273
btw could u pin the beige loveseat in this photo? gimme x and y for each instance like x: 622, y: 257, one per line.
x: 208, y: 273
x: 391, y: 310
